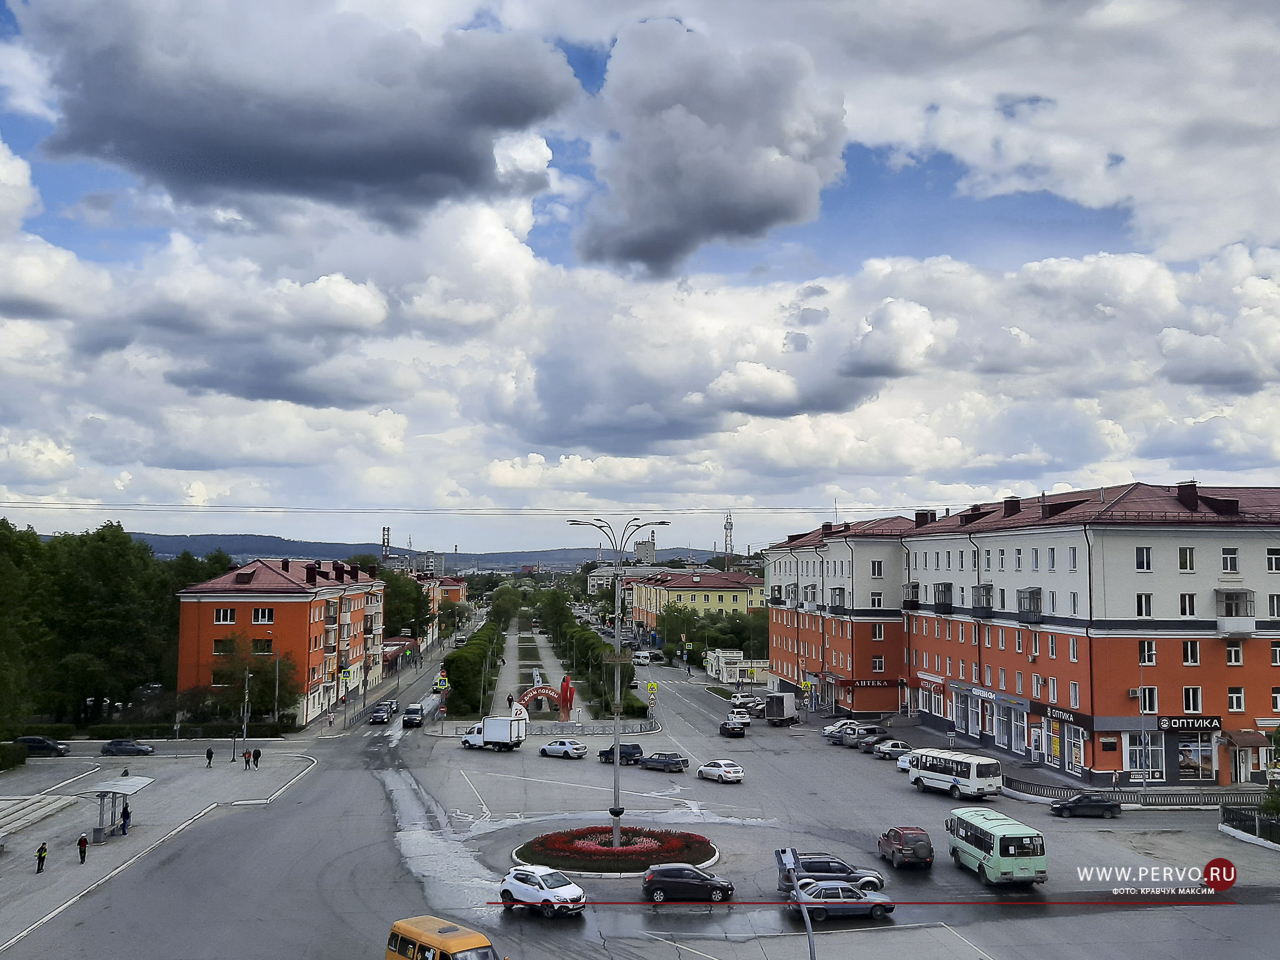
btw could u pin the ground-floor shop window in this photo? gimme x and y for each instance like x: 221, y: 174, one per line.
x: 1075, y: 749
x: 1195, y: 756
x: 1144, y: 754
x: 1019, y: 719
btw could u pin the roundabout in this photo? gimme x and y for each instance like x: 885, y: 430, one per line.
x: 589, y: 851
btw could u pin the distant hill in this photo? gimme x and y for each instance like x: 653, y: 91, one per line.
x: 248, y: 546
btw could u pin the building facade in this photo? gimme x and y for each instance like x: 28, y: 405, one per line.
x: 1129, y: 634
x: 324, y: 616
x: 703, y: 591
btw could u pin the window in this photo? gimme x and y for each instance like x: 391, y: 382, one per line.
x: 721, y: 600
x: 937, y: 629
x: 1036, y: 683
x: 1053, y: 601
x: 1017, y: 558
x: 1053, y: 559
x: 986, y: 636
x: 936, y: 564
x: 1017, y: 678
x: 224, y: 647
x: 986, y: 559
x: 1075, y: 603
x: 1143, y: 558
x: 1053, y: 647
x: 1001, y: 640
x: 1075, y: 695
x: 1002, y: 598
x: 1190, y: 699
x: 224, y: 615
x: 1273, y: 560
x: 1235, y: 699
x: 1148, y: 702
x: 1191, y: 653
x: 1187, y: 559
x: 1275, y: 699
x: 1074, y: 643
x: 1144, y: 604
x: 262, y: 647
x: 1275, y: 653
x: 975, y: 678
x: 1235, y: 653
x: 948, y: 559
x: 1001, y: 677
x: 915, y: 559
x: 1187, y: 604
x: 960, y: 558
x: 877, y: 664
x: 1071, y: 558
x: 1017, y: 641
x: 264, y: 614
x: 987, y: 671
x: 1000, y: 558
x: 877, y: 631
x: 706, y: 598
x: 1273, y: 605
x: 1053, y: 689
x: 948, y: 666
x: 1146, y: 653
x: 1230, y: 560
x: 1035, y: 558
x: 877, y: 599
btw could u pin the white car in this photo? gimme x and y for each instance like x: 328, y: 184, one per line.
x: 743, y: 699
x: 740, y: 716
x: 543, y: 887
x: 904, y: 762
x: 837, y: 728
x: 571, y: 749
x: 722, y: 771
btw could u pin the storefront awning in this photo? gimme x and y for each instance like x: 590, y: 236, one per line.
x: 1247, y: 738
x: 838, y: 681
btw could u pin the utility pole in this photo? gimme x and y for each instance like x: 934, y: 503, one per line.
x: 245, y: 732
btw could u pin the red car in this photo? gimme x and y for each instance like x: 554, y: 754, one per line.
x: 904, y: 845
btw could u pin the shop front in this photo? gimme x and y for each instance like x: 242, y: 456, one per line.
x: 1250, y: 753
x: 1159, y: 750
x: 990, y: 718
x: 1062, y: 735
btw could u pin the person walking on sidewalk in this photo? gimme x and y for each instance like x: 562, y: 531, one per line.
x: 248, y: 757
x: 125, y: 817
x: 40, y: 855
x: 83, y: 844
x: 257, y: 755
x: 208, y: 756
x: 510, y: 701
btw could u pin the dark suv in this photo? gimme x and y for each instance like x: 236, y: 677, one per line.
x: 823, y: 866
x: 906, y: 845
x: 670, y: 762
x: 627, y: 752
x: 43, y: 747
x: 683, y: 881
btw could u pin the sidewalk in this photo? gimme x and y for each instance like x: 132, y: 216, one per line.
x: 183, y: 791
x: 508, y: 682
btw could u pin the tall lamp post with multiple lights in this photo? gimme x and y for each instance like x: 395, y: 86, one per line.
x: 619, y: 543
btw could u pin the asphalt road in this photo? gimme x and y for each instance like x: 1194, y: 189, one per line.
x: 395, y: 823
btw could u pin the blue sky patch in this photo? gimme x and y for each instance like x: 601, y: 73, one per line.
x: 589, y: 63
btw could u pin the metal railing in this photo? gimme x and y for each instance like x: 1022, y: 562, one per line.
x: 1248, y: 820
x: 594, y: 729
x: 1205, y: 797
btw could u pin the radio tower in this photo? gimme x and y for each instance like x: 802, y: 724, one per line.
x: 386, y: 543
x: 728, y: 541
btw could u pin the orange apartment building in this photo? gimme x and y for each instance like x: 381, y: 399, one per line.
x: 1126, y: 634
x: 324, y: 616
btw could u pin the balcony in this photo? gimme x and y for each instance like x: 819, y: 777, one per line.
x: 983, y: 605
x: 1030, y: 609
x: 776, y: 601
x: 942, y: 598
x: 809, y: 606
x: 911, y: 596
x: 839, y: 611
x: 1236, y: 613
x: 344, y: 617
x: 331, y: 620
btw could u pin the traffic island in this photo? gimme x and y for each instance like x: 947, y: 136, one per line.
x: 589, y: 851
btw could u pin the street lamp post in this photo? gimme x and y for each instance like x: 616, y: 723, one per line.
x: 619, y: 544
x: 245, y: 732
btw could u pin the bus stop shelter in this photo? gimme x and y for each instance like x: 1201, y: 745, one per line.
x: 118, y: 790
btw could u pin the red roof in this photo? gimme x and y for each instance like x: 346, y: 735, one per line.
x: 282, y: 576
x: 676, y: 580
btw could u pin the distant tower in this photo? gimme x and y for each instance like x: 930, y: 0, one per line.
x: 386, y: 542
x: 728, y: 541
x: 599, y: 552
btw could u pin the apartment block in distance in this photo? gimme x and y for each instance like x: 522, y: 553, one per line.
x: 1127, y: 634
x: 326, y: 616
x: 700, y: 591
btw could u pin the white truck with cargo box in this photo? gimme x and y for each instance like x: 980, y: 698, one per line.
x: 780, y: 709
x: 501, y: 733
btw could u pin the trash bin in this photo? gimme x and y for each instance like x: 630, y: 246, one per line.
x: 99, y: 835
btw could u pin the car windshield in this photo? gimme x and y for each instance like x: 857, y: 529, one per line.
x: 553, y: 880
x: 1022, y: 846
x: 476, y: 953
x: 988, y: 769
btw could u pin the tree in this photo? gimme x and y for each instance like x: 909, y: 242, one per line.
x: 236, y: 656
x: 406, y: 604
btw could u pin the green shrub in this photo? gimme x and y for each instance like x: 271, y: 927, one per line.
x: 12, y: 754
x: 214, y: 730
x: 55, y: 731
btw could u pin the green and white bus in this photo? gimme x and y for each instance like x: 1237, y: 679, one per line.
x: 998, y: 848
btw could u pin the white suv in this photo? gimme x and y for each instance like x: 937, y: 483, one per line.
x: 544, y: 888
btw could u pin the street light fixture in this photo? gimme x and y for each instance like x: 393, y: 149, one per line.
x: 619, y: 543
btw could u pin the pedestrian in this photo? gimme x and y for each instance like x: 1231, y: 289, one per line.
x: 83, y: 844
x: 40, y: 855
x: 125, y: 817
x: 688, y: 669
x: 510, y: 701
x: 208, y: 756
x: 331, y: 719
x: 247, y: 758
x: 257, y: 755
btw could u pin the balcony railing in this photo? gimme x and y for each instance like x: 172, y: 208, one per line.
x: 911, y: 596
x: 942, y: 598
x: 983, y: 601
x: 1236, y: 613
x: 1029, y: 605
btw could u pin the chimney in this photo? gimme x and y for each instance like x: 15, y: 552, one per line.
x: 948, y: 513
x: 826, y: 528
x: 1187, y: 495
x: 373, y: 570
x: 311, y: 573
x: 355, y: 571
x: 234, y: 566
x: 922, y: 518
x: 284, y: 565
x: 338, y: 571
x: 1012, y: 505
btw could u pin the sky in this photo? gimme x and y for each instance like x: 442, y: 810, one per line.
x: 313, y: 268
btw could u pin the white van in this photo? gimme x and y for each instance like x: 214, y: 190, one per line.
x: 640, y: 658
x: 959, y: 774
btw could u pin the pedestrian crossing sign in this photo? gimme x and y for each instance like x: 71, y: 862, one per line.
x: 653, y: 688
x: 346, y: 674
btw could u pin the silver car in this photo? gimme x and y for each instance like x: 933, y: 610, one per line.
x: 570, y: 749
x: 835, y: 898
x: 891, y: 749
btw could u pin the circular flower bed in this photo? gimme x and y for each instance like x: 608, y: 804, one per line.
x: 591, y: 849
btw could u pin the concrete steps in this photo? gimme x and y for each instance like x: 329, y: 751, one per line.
x: 18, y: 813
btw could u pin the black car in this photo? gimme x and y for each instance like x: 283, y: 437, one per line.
x: 732, y: 729
x: 628, y: 752
x: 683, y: 881
x: 380, y: 715
x: 867, y: 744
x: 1086, y: 805
x: 823, y: 866
x: 127, y: 748
x: 756, y: 710
x: 43, y: 747
x: 669, y: 762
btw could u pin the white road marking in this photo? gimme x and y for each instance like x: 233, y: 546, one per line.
x: 483, y: 806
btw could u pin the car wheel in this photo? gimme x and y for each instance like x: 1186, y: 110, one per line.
x: 548, y: 910
x: 657, y: 894
x: 920, y: 785
x: 897, y: 859
x: 700, y: 777
x: 508, y: 900
x: 878, y: 912
x: 982, y: 875
x: 465, y: 745
x: 1066, y: 814
x: 543, y: 752
x: 1108, y: 814
x: 955, y: 858
x: 818, y: 913
x: 955, y: 792
x: 869, y: 885
x: 717, y: 896
x: 720, y: 778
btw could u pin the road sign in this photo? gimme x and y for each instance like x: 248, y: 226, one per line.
x: 653, y: 700
x: 346, y: 674
x: 653, y: 687
x: 443, y: 673
x: 688, y: 646
x: 751, y: 674
x: 806, y: 685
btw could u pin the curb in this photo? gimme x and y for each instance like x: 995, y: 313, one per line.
x: 1247, y: 837
x: 593, y: 875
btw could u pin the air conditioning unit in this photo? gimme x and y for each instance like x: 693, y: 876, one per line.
x: 1031, y: 658
x: 1133, y: 693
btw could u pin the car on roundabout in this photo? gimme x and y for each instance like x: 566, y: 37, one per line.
x: 824, y: 866
x: 738, y: 715
x: 627, y: 753
x: 568, y: 749
x: 835, y: 898
x: 721, y: 771
x: 1086, y: 805
x: 903, y: 845
x: 127, y: 748
x: 542, y: 888
x: 393, y: 706
x: 683, y: 881
x: 667, y: 762
x: 731, y: 728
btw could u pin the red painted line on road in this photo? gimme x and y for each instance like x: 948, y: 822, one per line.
x: 1118, y: 902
